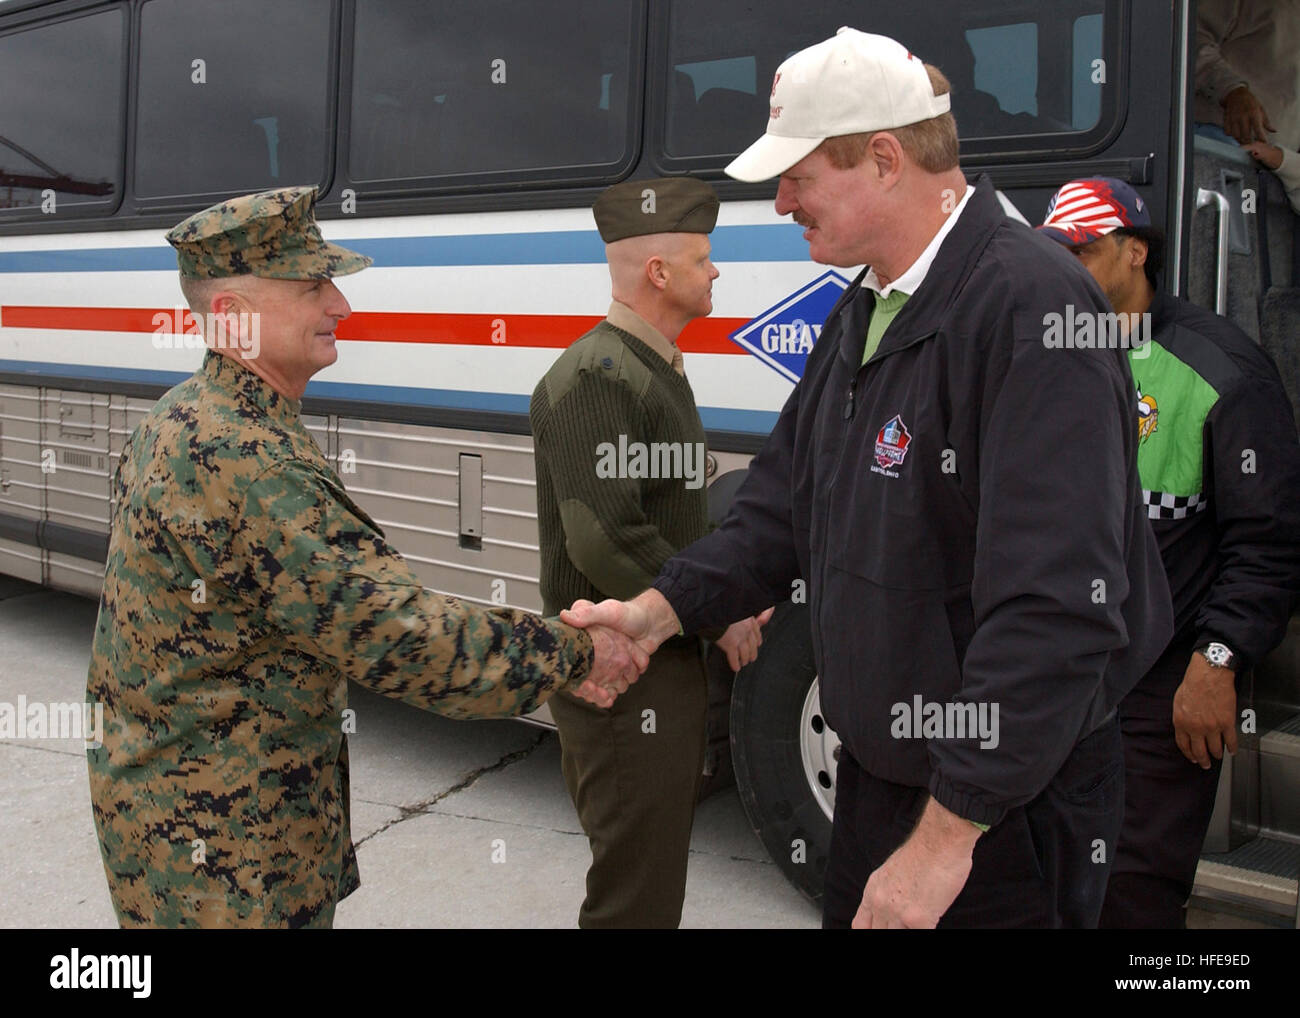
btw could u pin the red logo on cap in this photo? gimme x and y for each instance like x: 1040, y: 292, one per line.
x: 774, y: 81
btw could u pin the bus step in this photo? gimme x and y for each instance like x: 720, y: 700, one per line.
x: 1284, y: 739
x: 1262, y: 874
x: 1279, y: 781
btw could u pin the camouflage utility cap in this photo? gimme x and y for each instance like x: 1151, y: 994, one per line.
x: 662, y: 205
x: 272, y: 234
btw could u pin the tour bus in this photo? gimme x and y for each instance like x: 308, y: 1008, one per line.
x: 461, y: 144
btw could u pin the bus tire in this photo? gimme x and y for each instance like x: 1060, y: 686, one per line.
x: 780, y: 745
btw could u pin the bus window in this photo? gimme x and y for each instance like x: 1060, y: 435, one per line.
x: 485, y: 88
x: 1006, y: 65
x: 61, y: 116
x: 1000, y: 57
x: 227, y: 114
x: 1086, y: 96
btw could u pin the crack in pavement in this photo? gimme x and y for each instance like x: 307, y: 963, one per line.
x: 427, y: 810
x: 579, y: 834
x: 731, y: 858
x: 422, y: 808
x: 506, y: 823
x: 69, y: 751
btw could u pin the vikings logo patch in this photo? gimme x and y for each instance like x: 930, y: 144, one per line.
x: 1148, y: 415
x: 891, y: 443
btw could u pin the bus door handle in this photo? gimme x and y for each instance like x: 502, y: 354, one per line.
x: 1204, y: 197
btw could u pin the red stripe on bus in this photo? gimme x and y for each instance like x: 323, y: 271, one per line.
x: 704, y: 335
x: 13, y: 316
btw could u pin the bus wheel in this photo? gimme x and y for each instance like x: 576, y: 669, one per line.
x: 783, y: 751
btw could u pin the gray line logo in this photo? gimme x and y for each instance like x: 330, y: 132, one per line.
x: 38, y: 720
x: 657, y: 460
x: 930, y: 720
x: 1089, y: 330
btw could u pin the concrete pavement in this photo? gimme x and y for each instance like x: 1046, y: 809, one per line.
x: 457, y: 823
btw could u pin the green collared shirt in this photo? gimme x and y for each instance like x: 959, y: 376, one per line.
x: 885, y: 311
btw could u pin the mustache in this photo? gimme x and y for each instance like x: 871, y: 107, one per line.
x: 803, y: 220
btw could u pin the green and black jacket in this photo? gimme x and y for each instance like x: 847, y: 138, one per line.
x: 1220, y: 468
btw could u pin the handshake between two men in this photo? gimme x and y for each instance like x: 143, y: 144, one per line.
x: 625, y: 633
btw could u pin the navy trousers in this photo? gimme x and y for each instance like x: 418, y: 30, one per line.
x: 1168, y: 804
x: 1044, y: 866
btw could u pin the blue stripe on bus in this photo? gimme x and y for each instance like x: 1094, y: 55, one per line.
x: 105, y: 259
x: 782, y: 242
x: 756, y: 422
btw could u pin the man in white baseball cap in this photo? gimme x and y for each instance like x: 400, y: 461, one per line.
x: 961, y: 500
x: 848, y: 84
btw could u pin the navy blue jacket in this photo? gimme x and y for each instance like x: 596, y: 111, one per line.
x: 966, y: 513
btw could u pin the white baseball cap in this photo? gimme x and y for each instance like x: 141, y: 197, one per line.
x: 851, y: 83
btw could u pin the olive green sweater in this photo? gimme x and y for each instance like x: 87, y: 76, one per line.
x: 620, y: 468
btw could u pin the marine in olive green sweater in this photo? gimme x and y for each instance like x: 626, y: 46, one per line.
x: 610, y: 413
x: 620, y: 490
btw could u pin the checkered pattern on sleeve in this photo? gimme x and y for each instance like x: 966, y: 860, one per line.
x: 1163, y: 506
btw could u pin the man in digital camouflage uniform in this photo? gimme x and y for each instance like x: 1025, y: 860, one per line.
x: 244, y: 588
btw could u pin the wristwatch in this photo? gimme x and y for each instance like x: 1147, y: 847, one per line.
x: 1218, y: 654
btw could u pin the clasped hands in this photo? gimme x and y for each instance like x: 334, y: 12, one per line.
x: 625, y: 633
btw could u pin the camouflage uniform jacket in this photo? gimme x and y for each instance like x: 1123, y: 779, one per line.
x: 243, y: 589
